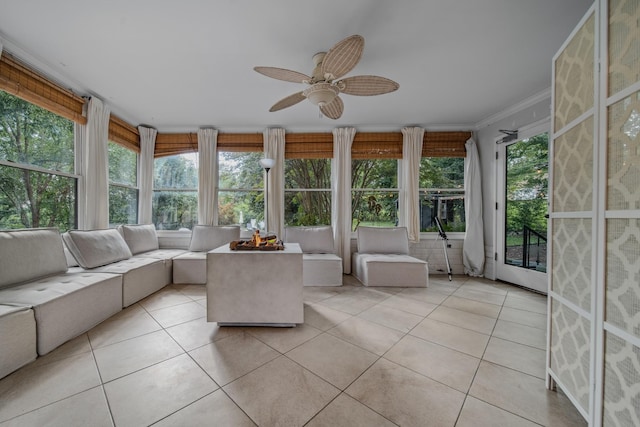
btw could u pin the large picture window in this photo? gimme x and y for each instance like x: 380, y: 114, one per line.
x: 374, y: 198
x: 307, y: 197
x: 175, y: 192
x: 123, y: 188
x: 240, y: 192
x: 38, y: 185
x: 442, y: 193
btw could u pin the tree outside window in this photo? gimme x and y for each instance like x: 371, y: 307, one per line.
x: 240, y: 192
x: 37, y: 181
x: 307, y: 197
x: 374, y: 195
x: 123, y: 189
x: 175, y: 192
x: 442, y: 193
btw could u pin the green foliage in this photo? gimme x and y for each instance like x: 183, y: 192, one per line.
x: 175, y: 172
x: 308, y: 207
x: 442, y: 172
x: 123, y: 165
x: 526, y: 185
x: 30, y: 135
x: 375, y: 206
x: 123, y: 205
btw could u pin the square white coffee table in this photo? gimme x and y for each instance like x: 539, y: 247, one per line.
x: 250, y: 287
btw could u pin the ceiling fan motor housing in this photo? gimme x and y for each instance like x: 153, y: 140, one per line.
x: 321, y: 93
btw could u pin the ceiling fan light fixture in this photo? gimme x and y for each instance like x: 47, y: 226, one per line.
x: 321, y: 93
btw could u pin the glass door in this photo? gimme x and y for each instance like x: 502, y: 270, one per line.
x: 523, y: 173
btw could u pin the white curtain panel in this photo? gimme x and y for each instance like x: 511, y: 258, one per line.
x: 274, y: 149
x: 96, y: 166
x: 145, y: 174
x: 207, y: 176
x: 410, y: 181
x: 79, y: 141
x: 341, y: 194
x: 473, y: 248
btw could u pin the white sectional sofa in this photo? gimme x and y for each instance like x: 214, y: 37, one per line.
x: 320, y: 265
x: 382, y: 259
x: 191, y: 267
x: 105, y: 251
x: 142, y: 240
x: 18, y: 335
x: 54, y: 287
x: 63, y: 303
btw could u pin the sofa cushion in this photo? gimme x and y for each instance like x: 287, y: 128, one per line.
x: 29, y: 254
x: 18, y: 338
x: 140, y: 238
x: 383, y: 240
x: 312, y: 240
x: 207, y: 237
x: 68, y: 304
x: 93, y: 248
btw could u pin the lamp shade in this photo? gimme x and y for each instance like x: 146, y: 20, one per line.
x: 267, y: 163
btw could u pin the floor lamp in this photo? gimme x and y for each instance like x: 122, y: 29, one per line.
x: 267, y: 164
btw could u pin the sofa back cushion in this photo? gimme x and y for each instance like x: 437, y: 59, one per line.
x: 312, y: 240
x: 94, y: 248
x: 29, y: 254
x: 140, y: 238
x: 207, y: 237
x: 383, y: 240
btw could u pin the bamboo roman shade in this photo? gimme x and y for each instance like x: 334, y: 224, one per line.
x: 18, y: 80
x: 308, y: 146
x: 445, y: 144
x: 124, y: 134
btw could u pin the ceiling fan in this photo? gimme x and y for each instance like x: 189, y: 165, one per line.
x: 325, y: 84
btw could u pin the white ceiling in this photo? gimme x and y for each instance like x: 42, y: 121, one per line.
x: 180, y: 65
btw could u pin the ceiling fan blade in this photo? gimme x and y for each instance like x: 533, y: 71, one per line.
x: 334, y: 109
x: 367, y: 85
x: 342, y: 57
x: 288, y: 101
x: 283, y: 74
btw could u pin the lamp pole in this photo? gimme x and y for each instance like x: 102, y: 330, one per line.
x: 267, y: 164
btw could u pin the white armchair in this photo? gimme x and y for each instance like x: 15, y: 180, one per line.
x: 191, y: 267
x: 320, y: 265
x: 383, y: 259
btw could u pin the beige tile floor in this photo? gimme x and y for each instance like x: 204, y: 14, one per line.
x: 464, y: 353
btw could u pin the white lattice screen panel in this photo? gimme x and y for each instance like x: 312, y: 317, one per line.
x: 623, y: 183
x: 570, y: 350
x: 623, y: 275
x: 573, y: 169
x: 621, y: 383
x: 594, y: 352
x: 572, y: 244
x: 574, y: 77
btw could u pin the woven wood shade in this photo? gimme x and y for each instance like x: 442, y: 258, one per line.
x: 308, y: 146
x: 366, y: 145
x: 124, y: 134
x: 445, y: 144
x: 20, y: 81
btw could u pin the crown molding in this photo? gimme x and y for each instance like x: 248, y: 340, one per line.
x: 516, y: 108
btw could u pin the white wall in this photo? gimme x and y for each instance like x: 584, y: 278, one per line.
x: 514, y: 118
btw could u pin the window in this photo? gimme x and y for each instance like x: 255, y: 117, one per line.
x: 123, y: 189
x: 175, y: 192
x: 38, y: 185
x: 307, y: 197
x: 240, y: 192
x: 442, y: 193
x: 374, y: 184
